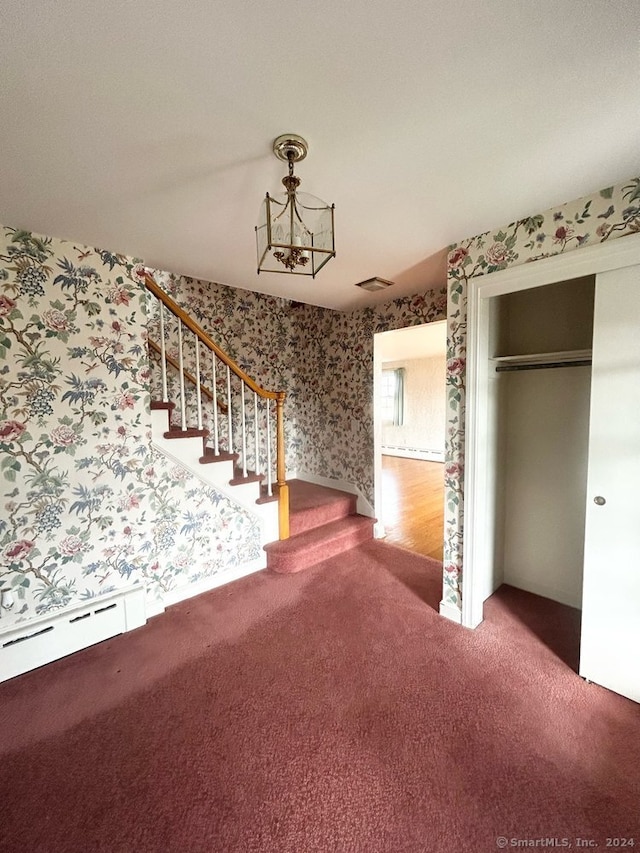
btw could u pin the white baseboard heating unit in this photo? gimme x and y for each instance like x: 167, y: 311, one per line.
x: 31, y: 644
x: 413, y: 452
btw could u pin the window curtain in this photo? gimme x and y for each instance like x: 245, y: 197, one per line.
x: 398, y: 398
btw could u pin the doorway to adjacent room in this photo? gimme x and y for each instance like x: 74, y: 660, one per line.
x: 409, y: 429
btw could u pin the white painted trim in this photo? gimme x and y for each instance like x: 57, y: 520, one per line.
x: 154, y: 606
x: 619, y: 253
x: 244, y: 495
x: 450, y: 612
x: 46, y: 638
x: 363, y: 506
x: 379, y: 530
x: 474, y: 547
x: 184, y: 592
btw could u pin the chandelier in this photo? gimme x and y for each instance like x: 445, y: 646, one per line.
x: 294, y: 233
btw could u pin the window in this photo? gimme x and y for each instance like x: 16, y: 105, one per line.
x: 392, y: 396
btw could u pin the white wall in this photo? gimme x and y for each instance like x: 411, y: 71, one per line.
x: 545, y: 478
x: 543, y: 440
x: 423, y: 429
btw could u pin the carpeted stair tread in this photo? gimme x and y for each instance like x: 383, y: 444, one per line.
x: 313, y: 506
x: 240, y: 479
x: 210, y: 457
x: 192, y: 432
x: 319, y: 543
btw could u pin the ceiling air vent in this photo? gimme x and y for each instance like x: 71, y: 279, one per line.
x: 373, y: 284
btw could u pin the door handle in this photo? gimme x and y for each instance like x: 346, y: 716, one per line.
x: 599, y: 500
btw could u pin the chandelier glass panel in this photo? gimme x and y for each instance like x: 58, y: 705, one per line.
x: 295, y: 230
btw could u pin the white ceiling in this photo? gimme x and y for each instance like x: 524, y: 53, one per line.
x: 146, y: 127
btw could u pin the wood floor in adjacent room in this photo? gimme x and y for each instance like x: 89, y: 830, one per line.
x: 413, y: 504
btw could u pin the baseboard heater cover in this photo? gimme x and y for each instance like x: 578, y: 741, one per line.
x: 413, y: 452
x: 42, y: 640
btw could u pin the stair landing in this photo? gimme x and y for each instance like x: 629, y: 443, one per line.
x: 323, y: 523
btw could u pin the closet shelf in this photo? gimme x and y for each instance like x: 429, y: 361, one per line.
x: 543, y: 359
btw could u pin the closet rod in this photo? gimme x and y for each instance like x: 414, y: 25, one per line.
x: 503, y: 368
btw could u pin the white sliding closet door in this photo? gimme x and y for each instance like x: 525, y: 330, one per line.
x: 610, y: 644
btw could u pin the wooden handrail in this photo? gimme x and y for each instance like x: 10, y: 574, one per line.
x: 278, y: 396
x: 175, y: 363
x: 181, y: 314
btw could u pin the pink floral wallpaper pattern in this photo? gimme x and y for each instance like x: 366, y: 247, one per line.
x: 87, y: 504
x: 323, y: 359
x: 613, y: 212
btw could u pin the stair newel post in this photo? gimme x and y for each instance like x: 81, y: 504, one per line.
x: 214, y: 385
x: 230, y: 417
x: 283, y: 488
x: 183, y: 402
x: 244, y: 431
x: 163, y: 354
x: 255, y: 429
x: 198, y: 381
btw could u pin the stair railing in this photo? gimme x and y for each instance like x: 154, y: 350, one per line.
x: 204, y: 389
x: 201, y: 338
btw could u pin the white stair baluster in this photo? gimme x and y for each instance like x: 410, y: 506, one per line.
x: 216, y: 448
x: 163, y: 355
x: 244, y: 432
x: 269, y: 485
x: 183, y: 402
x: 255, y: 429
x: 198, y: 389
x: 229, y: 414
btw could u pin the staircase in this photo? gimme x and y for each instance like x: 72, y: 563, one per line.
x: 323, y: 523
x: 301, y: 523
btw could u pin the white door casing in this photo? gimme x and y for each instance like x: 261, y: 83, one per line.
x: 478, y: 576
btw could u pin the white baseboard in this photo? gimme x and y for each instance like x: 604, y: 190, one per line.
x: 363, y: 506
x: 562, y: 596
x: 46, y: 638
x: 413, y: 453
x: 154, y: 606
x: 451, y: 612
x: 206, y: 584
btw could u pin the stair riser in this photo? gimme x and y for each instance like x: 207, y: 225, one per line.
x: 294, y: 562
x: 303, y: 520
x: 187, y: 452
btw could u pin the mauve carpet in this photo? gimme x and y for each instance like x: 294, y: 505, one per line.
x: 332, y: 710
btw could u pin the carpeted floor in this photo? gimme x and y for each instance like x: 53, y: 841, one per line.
x: 332, y: 710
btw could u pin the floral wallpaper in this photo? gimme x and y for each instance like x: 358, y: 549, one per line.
x: 255, y: 331
x: 73, y: 426
x: 612, y: 212
x: 336, y: 364
x: 87, y: 504
x: 199, y: 532
x: 322, y: 358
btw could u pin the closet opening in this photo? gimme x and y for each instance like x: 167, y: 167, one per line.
x: 552, y: 455
x: 539, y: 371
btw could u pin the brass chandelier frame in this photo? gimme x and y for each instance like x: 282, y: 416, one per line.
x: 283, y: 236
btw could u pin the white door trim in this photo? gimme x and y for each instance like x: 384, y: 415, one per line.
x: 619, y: 253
